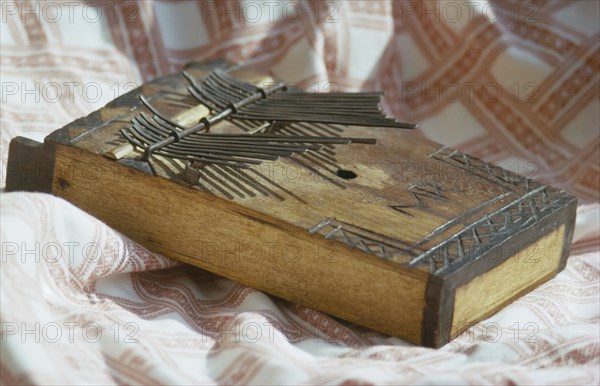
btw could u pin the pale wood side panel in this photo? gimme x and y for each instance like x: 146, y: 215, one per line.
x: 196, y: 227
x: 526, y: 269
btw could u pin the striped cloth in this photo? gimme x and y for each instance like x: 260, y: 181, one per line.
x: 512, y: 82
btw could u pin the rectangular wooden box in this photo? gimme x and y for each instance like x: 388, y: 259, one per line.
x: 424, y: 242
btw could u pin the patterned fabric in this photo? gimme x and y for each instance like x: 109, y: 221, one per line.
x: 515, y: 83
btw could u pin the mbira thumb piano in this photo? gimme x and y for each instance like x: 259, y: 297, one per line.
x: 320, y: 199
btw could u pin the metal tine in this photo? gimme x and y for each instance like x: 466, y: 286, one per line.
x: 329, y: 129
x: 148, y: 131
x: 251, y: 145
x: 202, y: 99
x: 250, y: 153
x: 227, y: 150
x: 194, y: 89
x: 311, y: 110
x: 328, y: 119
x: 245, y: 105
x: 327, y: 149
x: 341, y: 119
x: 311, y: 102
x: 255, y: 143
x: 188, y: 101
x: 270, y: 154
x: 213, y: 93
x: 159, y: 129
x: 225, y: 77
x: 314, y: 130
x: 237, y: 87
x: 140, y: 124
x: 321, y: 108
x: 315, y: 96
x: 287, y: 99
x: 127, y: 134
x: 274, y: 137
x: 159, y: 114
x: 181, y: 105
x: 270, y: 138
x: 341, y: 95
x: 247, y: 125
x: 160, y: 123
x: 183, y: 95
x: 282, y: 138
x: 181, y: 149
x: 233, y: 163
x: 206, y: 122
x: 221, y: 147
x: 328, y: 106
x: 362, y: 97
x: 370, y: 108
x: 286, y: 151
x: 207, y: 91
x: 206, y: 157
x: 141, y: 133
x: 250, y: 88
x: 155, y: 123
x: 218, y: 89
x: 334, y: 96
x: 346, y: 105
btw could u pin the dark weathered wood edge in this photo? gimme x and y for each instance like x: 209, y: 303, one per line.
x: 30, y: 166
x: 93, y: 121
x: 439, y: 301
x: 524, y: 237
x: 570, y: 218
x: 438, y: 313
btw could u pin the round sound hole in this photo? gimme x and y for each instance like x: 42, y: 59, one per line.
x: 346, y: 174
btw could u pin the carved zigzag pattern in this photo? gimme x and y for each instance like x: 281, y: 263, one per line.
x: 332, y: 229
x: 473, y: 240
x: 538, y: 201
x: 483, y: 169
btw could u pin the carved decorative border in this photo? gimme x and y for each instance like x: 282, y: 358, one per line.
x: 538, y: 202
x: 366, y: 241
x: 473, y: 240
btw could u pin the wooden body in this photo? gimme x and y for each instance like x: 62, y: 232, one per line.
x: 421, y: 244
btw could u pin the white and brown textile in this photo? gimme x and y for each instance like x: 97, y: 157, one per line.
x: 512, y: 82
